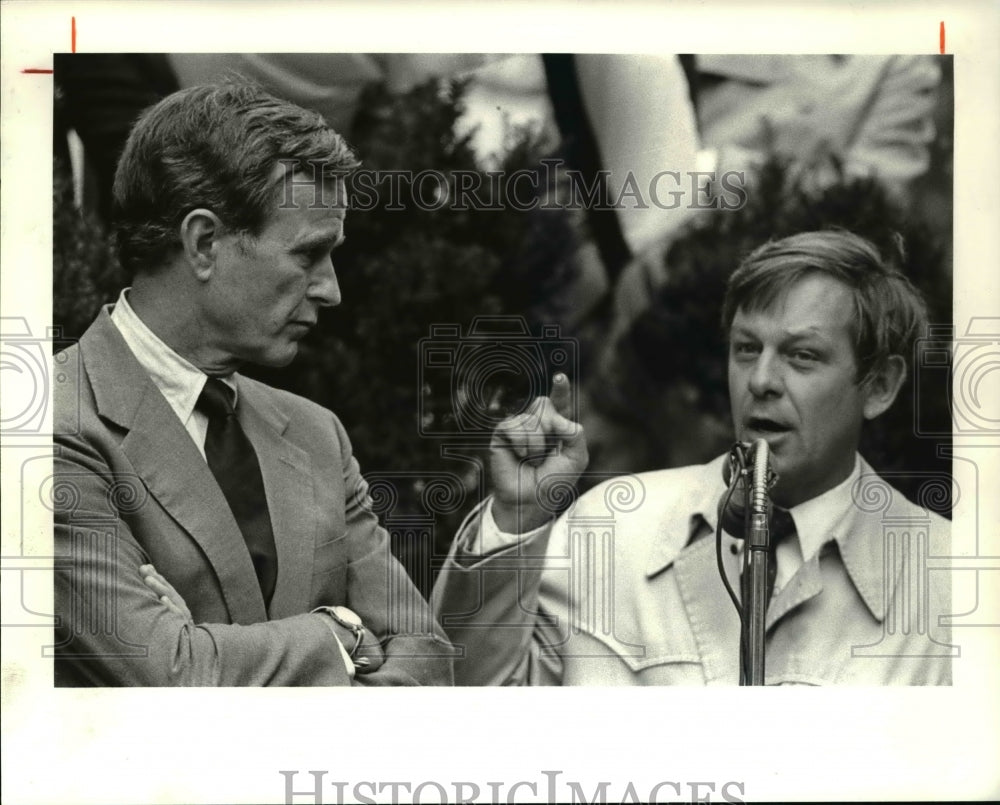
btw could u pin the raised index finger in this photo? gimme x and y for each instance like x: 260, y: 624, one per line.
x: 562, y: 395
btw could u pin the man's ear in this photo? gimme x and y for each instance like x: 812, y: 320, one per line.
x: 200, y: 233
x: 882, y: 386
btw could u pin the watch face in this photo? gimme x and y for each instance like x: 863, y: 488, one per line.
x: 347, y: 616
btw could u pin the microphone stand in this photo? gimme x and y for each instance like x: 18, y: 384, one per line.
x: 757, y: 559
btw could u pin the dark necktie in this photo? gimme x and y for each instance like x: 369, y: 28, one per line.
x: 781, y: 528
x: 234, y: 464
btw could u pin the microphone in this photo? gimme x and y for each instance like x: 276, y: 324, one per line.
x: 744, y: 511
x: 749, y: 464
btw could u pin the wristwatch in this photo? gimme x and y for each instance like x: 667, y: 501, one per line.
x: 349, y: 620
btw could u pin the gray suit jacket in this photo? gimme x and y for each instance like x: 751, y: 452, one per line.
x: 131, y: 487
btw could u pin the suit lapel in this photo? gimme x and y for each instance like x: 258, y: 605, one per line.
x: 866, y: 556
x: 167, y: 460
x: 288, y: 483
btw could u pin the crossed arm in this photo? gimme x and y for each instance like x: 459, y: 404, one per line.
x: 121, y: 622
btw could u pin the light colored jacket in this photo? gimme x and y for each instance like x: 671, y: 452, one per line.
x: 618, y: 593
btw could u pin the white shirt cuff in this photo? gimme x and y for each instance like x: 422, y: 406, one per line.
x: 489, y: 538
x: 348, y: 662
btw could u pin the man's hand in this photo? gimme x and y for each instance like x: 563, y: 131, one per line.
x: 370, y: 656
x: 537, y: 445
x: 165, y: 592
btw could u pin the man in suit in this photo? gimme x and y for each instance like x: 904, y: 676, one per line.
x: 211, y: 530
x: 624, y: 588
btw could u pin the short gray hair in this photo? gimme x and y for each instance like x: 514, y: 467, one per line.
x: 214, y: 146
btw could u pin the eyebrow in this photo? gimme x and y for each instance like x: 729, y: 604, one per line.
x: 786, y: 335
x: 309, y: 243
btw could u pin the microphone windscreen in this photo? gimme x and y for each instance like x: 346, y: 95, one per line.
x: 732, y: 515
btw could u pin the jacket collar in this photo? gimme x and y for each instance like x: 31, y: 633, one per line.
x: 865, y: 542
x: 860, y: 539
x: 121, y: 386
x: 706, y: 487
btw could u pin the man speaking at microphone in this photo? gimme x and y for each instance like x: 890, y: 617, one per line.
x: 624, y: 588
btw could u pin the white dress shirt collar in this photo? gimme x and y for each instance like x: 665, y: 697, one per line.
x: 824, y: 517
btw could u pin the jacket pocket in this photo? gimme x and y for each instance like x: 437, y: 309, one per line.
x: 330, y: 555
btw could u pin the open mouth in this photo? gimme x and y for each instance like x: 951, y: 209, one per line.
x: 764, y: 425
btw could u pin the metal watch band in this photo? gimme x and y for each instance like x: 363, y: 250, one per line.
x: 356, y: 629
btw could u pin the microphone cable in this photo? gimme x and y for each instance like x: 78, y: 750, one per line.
x: 738, y: 470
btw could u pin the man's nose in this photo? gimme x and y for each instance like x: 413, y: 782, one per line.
x: 324, y: 288
x: 765, y: 376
